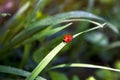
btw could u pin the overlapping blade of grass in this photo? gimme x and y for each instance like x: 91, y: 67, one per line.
x: 100, y: 26
x: 73, y: 14
x: 86, y: 20
x: 41, y: 52
x: 20, y: 41
x: 19, y: 12
x: 85, y: 66
x: 45, y: 61
x: 46, y: 32
x: 62, y: 16
x: 15, y: 71
x: 52, y: 54
x: 35, y: 37
x: 53, y: 31
x: 27, y: 50
x: 36, y: 26
x: 38, y: 54
x: 16, y: 39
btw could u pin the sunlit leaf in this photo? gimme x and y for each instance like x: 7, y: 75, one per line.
x: 85, y: 66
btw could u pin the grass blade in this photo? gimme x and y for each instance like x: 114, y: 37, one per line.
x: 85, y: 66
x: 100, y: 26
x: 86, y: 20
x: 27, y: 50
x: 46, y: 32
x: 15, y: 71
x: 45, y: 61
x: 63, y: 16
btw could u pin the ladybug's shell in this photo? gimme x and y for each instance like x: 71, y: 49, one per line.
x: 67, y: 38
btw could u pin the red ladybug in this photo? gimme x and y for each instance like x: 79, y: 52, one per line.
x: 67, y: 38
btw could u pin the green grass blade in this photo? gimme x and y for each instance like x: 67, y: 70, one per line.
x: 36, y: 26
x: 45, y: 61
x: 46, y: 32
x: 52, y: 54
x: 45, y: 48
x: 56, y: 19
x: 27, y: 50
x: 60, y: 17
x: 86, y: 20
x: 15, y: 71
x: 85, y: 66
x: 112, y: 27
x: 28, y: 32
x: 100, y: 26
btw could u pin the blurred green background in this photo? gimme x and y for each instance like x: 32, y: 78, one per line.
x: 99, y: 47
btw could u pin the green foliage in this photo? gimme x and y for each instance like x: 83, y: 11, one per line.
x: 53, y: 53
x: 32, y: 35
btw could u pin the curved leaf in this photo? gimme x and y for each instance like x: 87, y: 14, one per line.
x: 15, y: 71
x: 73, y: 14
x: 60, y: 17
x: 85, y: 66
x: 46, y: 32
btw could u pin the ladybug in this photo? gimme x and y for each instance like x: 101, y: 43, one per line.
x: 67, y: 38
